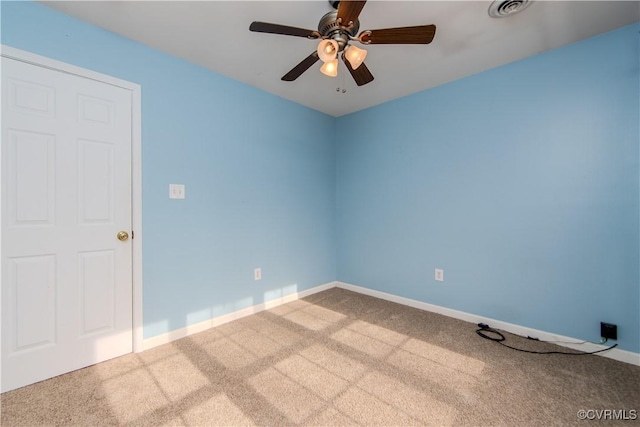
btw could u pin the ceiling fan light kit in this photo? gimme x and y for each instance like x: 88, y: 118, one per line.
x: 355, y: 56
x: 336, y: 30
x: 330, y: 68
x: 327, y: 50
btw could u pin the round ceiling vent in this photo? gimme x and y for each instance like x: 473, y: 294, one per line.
x: 503, y: 8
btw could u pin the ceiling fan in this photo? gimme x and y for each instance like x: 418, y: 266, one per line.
x: 336, y: 30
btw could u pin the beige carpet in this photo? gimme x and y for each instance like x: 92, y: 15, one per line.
x: 334, y: 358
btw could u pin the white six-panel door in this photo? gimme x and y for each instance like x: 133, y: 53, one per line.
x: 66, y: 193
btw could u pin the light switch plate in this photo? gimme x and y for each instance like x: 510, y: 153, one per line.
x: 439, y: 275
x: 176, y: 191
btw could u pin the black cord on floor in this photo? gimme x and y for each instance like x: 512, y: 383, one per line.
x: 499, y: 338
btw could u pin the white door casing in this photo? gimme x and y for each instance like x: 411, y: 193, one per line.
x: 67, y: 283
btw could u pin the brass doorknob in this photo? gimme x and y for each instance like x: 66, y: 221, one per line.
x: 122, y: 236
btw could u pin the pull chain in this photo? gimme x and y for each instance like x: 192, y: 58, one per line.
x: 341, y: 88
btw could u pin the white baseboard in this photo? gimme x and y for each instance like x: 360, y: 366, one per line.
x: 616, y: 354
x: 576, y: 344
x: 225, y: 318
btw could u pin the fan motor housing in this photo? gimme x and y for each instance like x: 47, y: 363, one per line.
x: 330, y: 28
x: 504, y: 8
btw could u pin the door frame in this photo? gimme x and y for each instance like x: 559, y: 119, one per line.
x: 136, y: 167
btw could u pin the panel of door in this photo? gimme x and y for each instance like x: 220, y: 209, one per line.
x: 66, y: 194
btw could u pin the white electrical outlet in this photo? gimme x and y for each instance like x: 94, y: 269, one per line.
x: 257, y: 274
x: 439, y: 275
x: 176, y: 191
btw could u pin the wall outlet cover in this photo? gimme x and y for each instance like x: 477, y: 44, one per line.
x: 609, y: 331
x: 176, y: 191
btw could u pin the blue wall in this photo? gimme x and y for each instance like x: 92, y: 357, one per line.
x: 259, y: 175
x: 521, y: 182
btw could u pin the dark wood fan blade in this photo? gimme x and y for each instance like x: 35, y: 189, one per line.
x: 349, y: 11
x: 361, y: 75
x: 422, y: 34
x: 301, y: 67
x: 265, y: 27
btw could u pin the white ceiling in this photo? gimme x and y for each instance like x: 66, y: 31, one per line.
x: 215, y: 35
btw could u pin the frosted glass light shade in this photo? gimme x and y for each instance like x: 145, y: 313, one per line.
x: 330, y: 68
x: 355, y: 56
x: 327, y: 50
